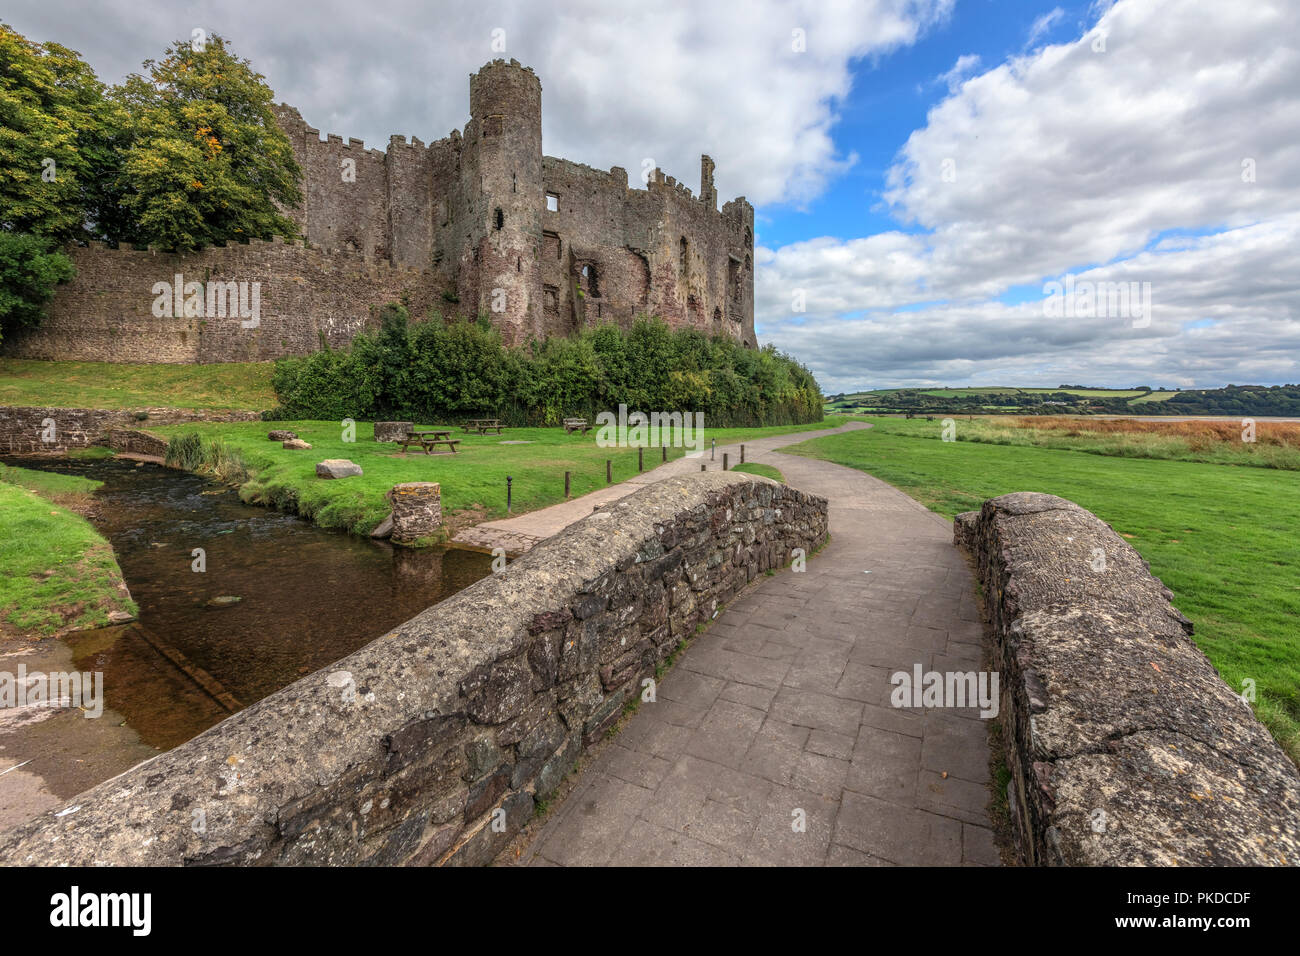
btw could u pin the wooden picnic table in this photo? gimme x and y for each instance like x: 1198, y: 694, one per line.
x: 483, y: 425
x: 428, y: 439
x: 572, y: 425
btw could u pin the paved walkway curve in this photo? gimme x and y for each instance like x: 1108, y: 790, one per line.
x: 779, y: 712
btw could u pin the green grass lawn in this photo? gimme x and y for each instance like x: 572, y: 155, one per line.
x: 56, y: 571
x: 241, y: 386
x: 757, y: 468
x: 473, y: 480
x: 1222, y: 537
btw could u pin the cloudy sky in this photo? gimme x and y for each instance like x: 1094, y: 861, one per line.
x: 922, y: 169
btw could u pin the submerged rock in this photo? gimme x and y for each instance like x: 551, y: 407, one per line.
x: 224, y: 600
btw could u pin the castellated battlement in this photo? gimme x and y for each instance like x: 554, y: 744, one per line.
x: 477, y: 222
x: 544, y: 246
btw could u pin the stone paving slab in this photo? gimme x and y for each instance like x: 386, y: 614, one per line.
x: 520, y: 533
x: 780, y: 712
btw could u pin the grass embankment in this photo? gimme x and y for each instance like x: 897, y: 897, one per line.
x: 1275, y: 445
x: 473, y: 480
x: 239, y: 386
x: 1221, y: 537
x: 56, y: 572
x: 757, y: 468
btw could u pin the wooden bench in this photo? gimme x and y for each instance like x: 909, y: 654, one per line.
x: 428, y: 439
x: 572, y: 425
x: 483, y: 425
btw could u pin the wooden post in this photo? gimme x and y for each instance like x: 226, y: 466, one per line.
x: 665, y: 451
x: 566, y: 484
x: 703, y: 466
x: 508, y: 480
x: 609, y: 472
x: 724, y: 461
x: 742, y: 454
x: 640, y: 458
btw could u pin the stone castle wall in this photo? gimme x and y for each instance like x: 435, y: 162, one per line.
x: 106, y: 312
x: 461, y: 224
x: 408, y: 751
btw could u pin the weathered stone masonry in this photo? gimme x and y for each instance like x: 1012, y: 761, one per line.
x: 566, y: 245
x: 1124, y: 745
x: 405, y: 751
x: 23, y: 428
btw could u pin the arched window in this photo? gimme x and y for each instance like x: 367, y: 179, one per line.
x: 501, y: 218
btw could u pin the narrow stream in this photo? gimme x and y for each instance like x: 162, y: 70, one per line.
x: 307, y: 597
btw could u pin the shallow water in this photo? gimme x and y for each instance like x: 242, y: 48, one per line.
x: 308, y: 596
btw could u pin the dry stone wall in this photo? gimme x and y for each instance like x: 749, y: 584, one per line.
x: 24, y: 429
x: 1124, y: 745
x: 409, y: 750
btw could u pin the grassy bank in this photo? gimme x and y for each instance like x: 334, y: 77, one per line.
x: 1222, y: 537
x: 756, y: 468
x: 241, y: 386
x: 56, y: 572
x: 473, y: 480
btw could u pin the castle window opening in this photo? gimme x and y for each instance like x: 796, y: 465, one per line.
x: 501, y: 218
x: 683, y: 247
x: 552, y: 202
x: 514, y: 183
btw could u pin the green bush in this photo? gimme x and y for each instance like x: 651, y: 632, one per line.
x: 439, y: 371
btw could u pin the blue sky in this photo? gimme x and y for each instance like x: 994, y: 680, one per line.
x: 891, y: 95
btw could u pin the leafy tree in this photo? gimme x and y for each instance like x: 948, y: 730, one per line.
x: 29, y: 270
x: 53, y: 122
x: 204, y: 161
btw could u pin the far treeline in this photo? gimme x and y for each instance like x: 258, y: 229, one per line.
x: 1280, y: 401
x: 439, y: 371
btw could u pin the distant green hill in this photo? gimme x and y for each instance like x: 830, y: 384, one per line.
x: 1233, y: 400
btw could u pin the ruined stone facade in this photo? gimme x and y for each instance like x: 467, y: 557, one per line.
x: 474, y: 223
x: 542, y: 245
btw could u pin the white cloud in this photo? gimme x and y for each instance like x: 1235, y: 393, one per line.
x: 966, y: 64
x: 667, y: 80
x: 1043, y: 25
x: 1068, y: 158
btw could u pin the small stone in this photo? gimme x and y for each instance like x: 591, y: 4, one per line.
x: 224, y: 600
x: 337, y: 468
x: 296, y: 443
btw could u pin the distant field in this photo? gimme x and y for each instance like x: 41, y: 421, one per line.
x: 239, y: 386
x: 1135, y: 395
x: 1222, y: 537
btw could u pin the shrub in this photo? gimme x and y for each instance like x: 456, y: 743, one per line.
x: 440, y: 371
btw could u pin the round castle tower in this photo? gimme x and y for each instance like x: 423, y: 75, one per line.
x: 505, y: 135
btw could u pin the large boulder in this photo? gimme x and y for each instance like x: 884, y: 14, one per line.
x: 280, y: 435
x: 392, y: 431
x: 337, y: 468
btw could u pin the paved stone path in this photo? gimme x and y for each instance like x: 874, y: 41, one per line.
x: 781, y: 709
x: 520, y: 533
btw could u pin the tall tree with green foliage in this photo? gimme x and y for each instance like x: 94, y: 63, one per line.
x: 204, y: 160
x: 52, y: 117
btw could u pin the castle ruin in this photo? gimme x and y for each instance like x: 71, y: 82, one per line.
x: 543, y: 246
x: 479, y: 222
